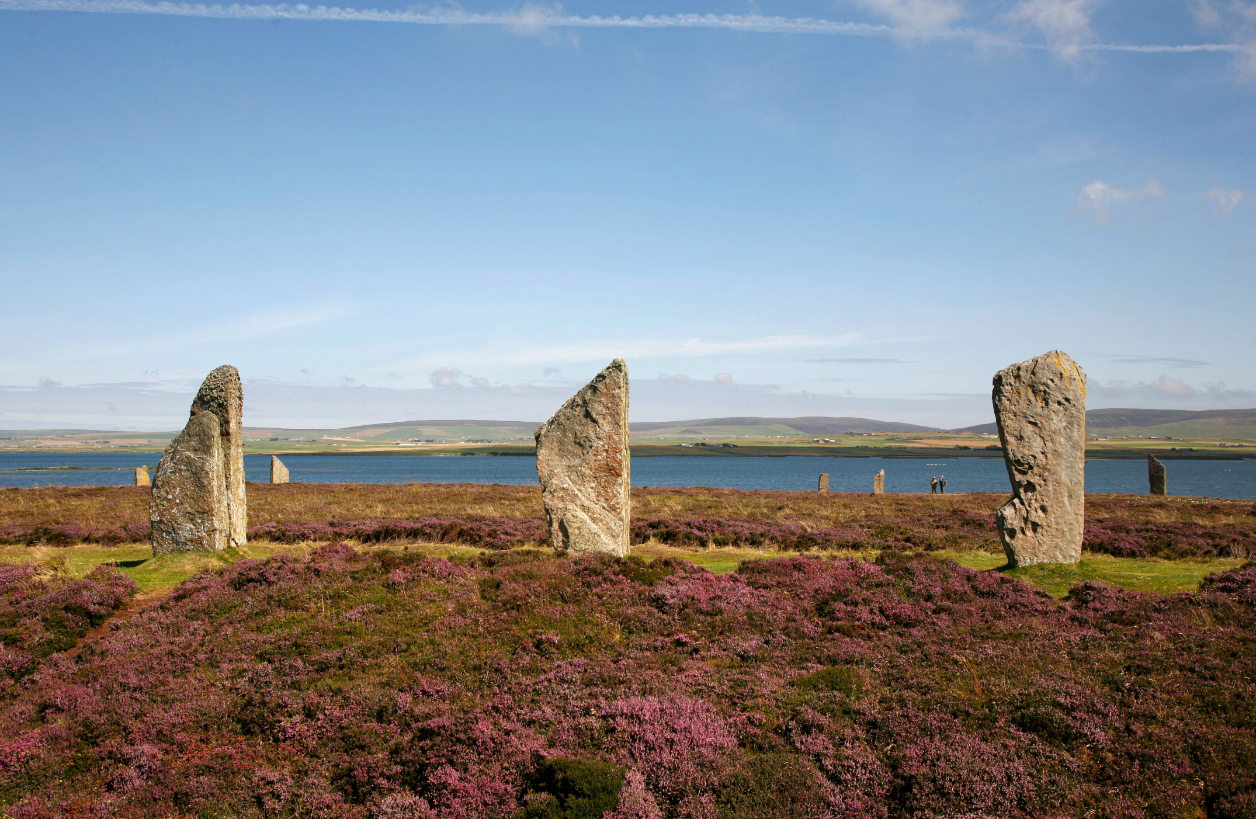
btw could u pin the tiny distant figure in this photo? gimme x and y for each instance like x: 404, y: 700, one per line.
x: 942, y: 485
x: 933, y: 486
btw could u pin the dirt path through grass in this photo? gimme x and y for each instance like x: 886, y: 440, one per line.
x: 133, y: 607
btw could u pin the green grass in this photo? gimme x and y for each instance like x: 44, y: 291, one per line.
x: 154, y: 574
x: 1149, y: 575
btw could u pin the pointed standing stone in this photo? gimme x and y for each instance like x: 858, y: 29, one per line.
x: 198, y: 502
x: 878, y: 483
x: 278, y: 472
x: 1040, y: 408
x: 582, y: 459
x: 141, y: 476
x: 824, y: 483
x: 1156, y: 476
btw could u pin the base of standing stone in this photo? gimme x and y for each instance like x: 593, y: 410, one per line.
x: 141, y: 476
x: 824, y: 482
x: 878, y: 483
x: 278, y: 472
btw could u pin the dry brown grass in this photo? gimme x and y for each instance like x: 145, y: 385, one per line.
x: 300, y: 503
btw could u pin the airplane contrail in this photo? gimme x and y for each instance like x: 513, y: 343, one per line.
x: 538, y: 18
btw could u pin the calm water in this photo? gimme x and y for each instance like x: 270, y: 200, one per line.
x: 1218, y: 479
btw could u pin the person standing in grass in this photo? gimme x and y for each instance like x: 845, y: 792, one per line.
x: 942, y: 485
x: 933, y: 486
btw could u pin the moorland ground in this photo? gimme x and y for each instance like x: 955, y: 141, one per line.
x: 1151, y: 544
x: 408, y: 651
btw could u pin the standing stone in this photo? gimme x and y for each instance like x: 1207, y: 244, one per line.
x: 141, y: 476
x: 1040, y: 408
x: 582, y: 459
x: 878, y: 483
x: 198, y: 502
x: 1155, y: 476
x: 824, y: 483
x: 278, y: 472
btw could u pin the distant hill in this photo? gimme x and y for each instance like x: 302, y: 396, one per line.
x: 1237, y: 423
x: 436, y: 430
x: 752, y: 427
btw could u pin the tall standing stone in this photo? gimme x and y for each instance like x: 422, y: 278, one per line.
x: 198, y: 502
x: 1156, y: 476
x: 1040, y: 408
x: 878, y: 483
x: 278, y: 472
x: 141, y: 476
x: 582, y: 459
x: 824, y: 483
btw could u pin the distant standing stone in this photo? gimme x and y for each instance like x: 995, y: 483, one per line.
x: 278, y: 472
x: 141, y: 476
x: 1040, y: 408
x: 582, y: 459
x: 824, y: 483
x: 1156, y: 476
x: 878, y: 483
x: 198, y: 502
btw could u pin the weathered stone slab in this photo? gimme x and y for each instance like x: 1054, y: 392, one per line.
x: 198, y: 502
x: 1040, y: 408
x: 141, y: 476
x: 824, y: 483
x: 582, y: 459
x: 878, y: 483
x: 278, y: 472
x: 188, y: 506
x: 222, y: 394
x: 1156, y: 476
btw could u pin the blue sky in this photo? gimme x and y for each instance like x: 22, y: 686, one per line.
x: 789, y: 208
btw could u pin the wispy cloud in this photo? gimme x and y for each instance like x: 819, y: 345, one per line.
x: 921, y: 18
x: 1182, y: 363
x: 917, y: 18
x: 1166, y: 389
x: 1097, y: 196
x: 1064, y: 23
x: 637, y: 349
x: 855, y: 361
x: 1236, y: 19
x: 246, y: 328
x: 1226, y: 200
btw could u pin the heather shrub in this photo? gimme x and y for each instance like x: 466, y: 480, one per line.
x: 519, y: 684
x: 41, y: 616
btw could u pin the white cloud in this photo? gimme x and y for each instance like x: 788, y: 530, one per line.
x: 1064, y: 23
x: 1171, y: 388
x: 446, y: 378
x: 723, y: 378
x: 1236, y: 19
x: 1097, y: 196
x: 1161, y: 361
x: 49, y: 383
x: 677, y: 377
x: 636, y: 349
x: 919, y: 18
x: 246, y: 328
x: 1166, y: 391
x: 1226, y: 200
x: 1058, y: 18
